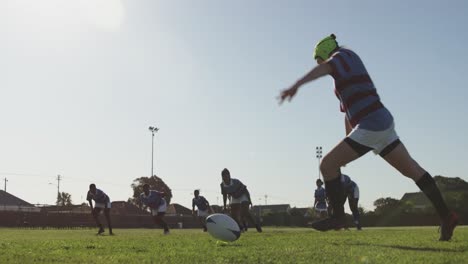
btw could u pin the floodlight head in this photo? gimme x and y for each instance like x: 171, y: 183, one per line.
x: 153, y: 129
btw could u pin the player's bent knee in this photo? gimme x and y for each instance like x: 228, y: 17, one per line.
x: 329, y: 167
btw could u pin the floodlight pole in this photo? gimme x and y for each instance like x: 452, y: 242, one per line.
x: 153, y: 130
x: 318, y: 151
x: 58, y: 184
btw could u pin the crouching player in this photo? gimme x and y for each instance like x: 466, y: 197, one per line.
x: 101, y: 201
x: 240, y: 200
x: 352, y: 193
x: 156, y: 202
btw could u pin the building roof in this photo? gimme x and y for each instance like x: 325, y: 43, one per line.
x: 417, y: 198
x: 9, y: 199
x: 75, y: 208
x: 123, y: 207
x: 271, y: 209
x: 177, y: 209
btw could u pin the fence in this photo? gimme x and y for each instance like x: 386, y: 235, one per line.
x: 70, y: 220
x: 18, y: 208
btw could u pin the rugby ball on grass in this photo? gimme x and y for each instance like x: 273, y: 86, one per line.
x: 223, y: 227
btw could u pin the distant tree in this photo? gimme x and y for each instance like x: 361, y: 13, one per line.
x: 407, y: 206
x: 464, y: 201
x: 362, y: 210
x: 455, y: 192
x: 155, y: 183
x: 386, y: 205
x: 457, y: 200
x: 64, y: 199
x: 451, y: 184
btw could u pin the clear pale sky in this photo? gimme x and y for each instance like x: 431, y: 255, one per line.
x: 81, y: 81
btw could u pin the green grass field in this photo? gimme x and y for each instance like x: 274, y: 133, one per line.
x: 274, y: 245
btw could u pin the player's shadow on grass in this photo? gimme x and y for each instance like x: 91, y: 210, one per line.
x: 427, y: 249
x: 227, y: 244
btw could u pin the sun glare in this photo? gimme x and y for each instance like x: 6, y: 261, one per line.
x: 53, y: 14
x: 105, y: 14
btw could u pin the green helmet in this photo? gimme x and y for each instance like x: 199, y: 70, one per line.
x: 325, y: 47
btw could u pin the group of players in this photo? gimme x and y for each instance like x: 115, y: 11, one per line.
x: 231, y: 188
x: 149, y: 198
x: 369, y: 126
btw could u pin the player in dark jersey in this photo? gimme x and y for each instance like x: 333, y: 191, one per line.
x: 240, y: 199
x: 156, y: 202
x: 320, y: 203
x: 203, y: 207
x: 101, y: 201
x: 369, y: 126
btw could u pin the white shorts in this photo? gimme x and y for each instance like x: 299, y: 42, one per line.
x: 102, y: 205
x: 203, y: 213
x: 377, y: 140
x: 321, y: 210
x: 241, y: 199
x: 161, y: 209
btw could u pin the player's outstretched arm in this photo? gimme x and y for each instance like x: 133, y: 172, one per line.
x: 317, y: 72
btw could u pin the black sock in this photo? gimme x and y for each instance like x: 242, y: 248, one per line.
x: 109, y: 225
x: 429, y: 188
x: 335, y: 194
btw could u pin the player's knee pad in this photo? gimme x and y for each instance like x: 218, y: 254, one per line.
x: 357, y: 147
x: 390, y: 148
